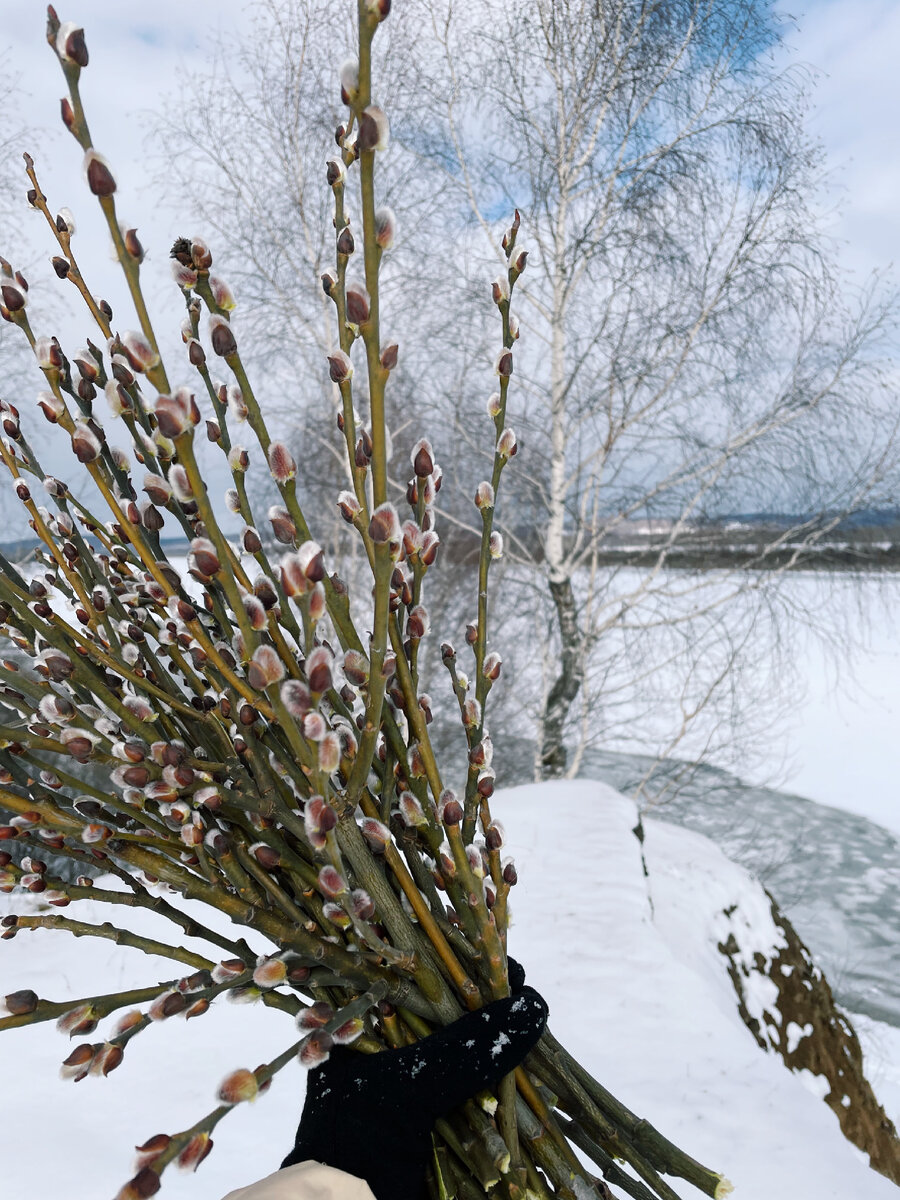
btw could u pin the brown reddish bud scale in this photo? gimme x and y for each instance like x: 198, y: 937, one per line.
x: 319, y: 668
x: 452, y: 813
x: 98, y: 174
x: 492, y: 666
x: 222, y: 337
x: 283, y: 526
x: 194, y: 1152
x: 385, y: 228
x: 345, y: 243
x: 357, y: 304
x: 145, y: 1183
x: 133, y: 244
x: 422, y: 458
x: 315, y: 1048
x: 374, y: 130
x: 493, y: 838
x: 85, y: 443
x: 251, y: 541
x: 340, y: 366
x: 19, y: 1003
x: 265, y: 668
x: 384, y: 526
x: 266, y: 856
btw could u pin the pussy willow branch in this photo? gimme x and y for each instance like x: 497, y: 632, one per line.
x: 199, y: 702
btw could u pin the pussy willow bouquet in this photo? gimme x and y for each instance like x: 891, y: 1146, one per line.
x: 223, y: 726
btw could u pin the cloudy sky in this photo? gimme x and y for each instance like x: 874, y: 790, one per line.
x: 141, y: 53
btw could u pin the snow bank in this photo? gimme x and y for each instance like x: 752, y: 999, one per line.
x: 628, y: 965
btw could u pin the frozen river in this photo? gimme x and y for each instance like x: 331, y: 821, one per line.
x: 842, y: 739
x: 818, y: 821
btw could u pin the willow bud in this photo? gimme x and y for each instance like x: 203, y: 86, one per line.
x: 341, y: 368
x: 203, y: 557
x: 336, y: 174
x: 329, y: 753
x: 269, y: 973
x: 492, y: 665
x: 85, y: 443
x: 374, y: 130
x: 319, y: 669
x: 349, y: 81
x: 282, y: 524
x: 265, y: 668
x: 357, y: 304
x: 484, y: 496
x: 222, y: 336
x: 384, y: 527
x: 349, y: 506
x: 315, y: 1048
x: 507, y: 445
x: 222, y: 293
x: 422, y: 458
x: 197, y: 1148
x: 133, y: 244
x: 240, y: 1085
x: 281, y: 463
x: 70, y: 44
x: 201, y: 255
x: 98, y: 174
x: 140, y: 354
x: 296, y: 698
x: 385, y: 227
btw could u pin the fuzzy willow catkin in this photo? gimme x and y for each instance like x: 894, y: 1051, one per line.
x: 220, y: 724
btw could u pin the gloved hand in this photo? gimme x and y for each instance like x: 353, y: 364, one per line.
x: 371, y: 1115
x: 516, y: 974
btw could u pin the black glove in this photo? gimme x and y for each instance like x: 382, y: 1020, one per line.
x: 516, y: 974
x: 371, y: 1115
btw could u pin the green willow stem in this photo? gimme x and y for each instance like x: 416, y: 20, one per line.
x: 121, y: 937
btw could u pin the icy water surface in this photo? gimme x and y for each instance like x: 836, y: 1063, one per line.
x: 837, y: 875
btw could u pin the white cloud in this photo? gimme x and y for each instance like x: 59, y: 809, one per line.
x: 138, y: 56
x: 855, y: 46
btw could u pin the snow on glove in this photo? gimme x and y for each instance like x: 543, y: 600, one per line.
x: 372, y: 1115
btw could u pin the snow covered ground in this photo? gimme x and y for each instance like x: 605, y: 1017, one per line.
x: 835, y: 873
x: 639, y: 993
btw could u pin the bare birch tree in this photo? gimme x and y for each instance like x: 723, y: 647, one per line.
x: 697, y: 354
x: 691, y: 348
